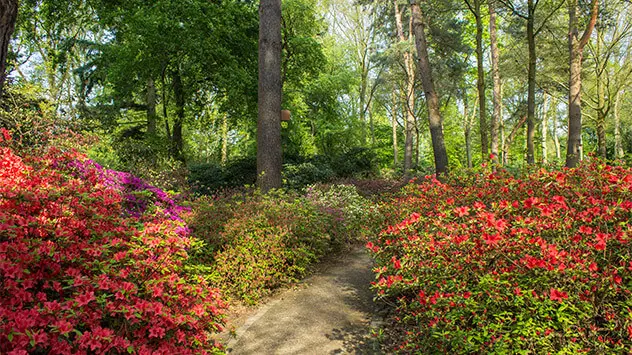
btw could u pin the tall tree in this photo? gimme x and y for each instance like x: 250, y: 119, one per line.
x: 611, y: 54
x: 409, y: 68
x: 269, y: 101
x: 532, y: 32
x: 432, y: 99
x: 8, y: 16
x: 576, y: 46
x: 475, y: 9
x: 496, y: 97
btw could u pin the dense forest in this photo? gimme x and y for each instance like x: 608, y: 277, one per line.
x: 164, y: 161
x: 386, y: 85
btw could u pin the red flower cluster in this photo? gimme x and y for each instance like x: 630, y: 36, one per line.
x: 80, y: 275
x: 511, y: 264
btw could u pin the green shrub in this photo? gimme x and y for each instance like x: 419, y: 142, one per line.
x: 206, y: 178
x: 255, y: 243
x: 305, y: 173
x: 355, y: 162
x: 240, y: 172
x: 209, y: 178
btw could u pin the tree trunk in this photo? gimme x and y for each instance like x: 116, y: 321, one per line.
x: 269, y: 155
x: 545, y: 123
x: 576, y: 48
x: 410, y: 93
x: 432, y: 100
x: 394, y: 123
x: 8, y: 15
x: 151, y: 107
x: 177, y: 143
x: 482, y: 111
x: 531, y: 84
x: 618, y: 146
x: 497, y: 98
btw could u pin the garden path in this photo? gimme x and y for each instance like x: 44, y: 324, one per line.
x: 330, y: 312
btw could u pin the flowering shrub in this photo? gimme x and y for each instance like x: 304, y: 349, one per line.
x: 541, y: 264
x: 87, y: 266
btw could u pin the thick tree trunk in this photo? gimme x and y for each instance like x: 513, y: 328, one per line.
x: 8, y: 15
x: 151, y: 108
x: 531, y: 84
x: 432, y: 100
x: 618, y: 145
x: 177, y: 143
x: 409, y: 66
x: 482, y: 111
x: 269, y: 157
x: 576, y: 48
x: 497, y: 98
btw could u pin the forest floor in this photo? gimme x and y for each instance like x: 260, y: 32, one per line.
x: 331, y: 312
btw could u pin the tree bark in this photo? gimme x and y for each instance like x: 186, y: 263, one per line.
x: 531, y: 83
x: 576, y: 47
x: 151, y: 107
x: 409, y: 67
x: 8, y: 15
x: 497, y: 98
x: 432, y: 100
x: 177, y: 143
x: 269, y: 155
x: 482, y: 111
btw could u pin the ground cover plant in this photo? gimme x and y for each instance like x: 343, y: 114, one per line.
x: 496, y: 264
x: 92, y: 261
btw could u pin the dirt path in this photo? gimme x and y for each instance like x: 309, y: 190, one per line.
x: 329, y: 313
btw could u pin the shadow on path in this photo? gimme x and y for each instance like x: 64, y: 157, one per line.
x: 330, y: 313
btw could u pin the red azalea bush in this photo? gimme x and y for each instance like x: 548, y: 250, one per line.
x: 80, y: 272
x: 497, y: 264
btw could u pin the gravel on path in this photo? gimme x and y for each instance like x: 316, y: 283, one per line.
x: 331, y: 312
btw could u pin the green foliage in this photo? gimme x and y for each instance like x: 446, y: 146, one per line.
x: 208, y: 178
x: 300, y: 174
x: 497, y: 264
x: 355, y: 162
x: 253, y: 244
